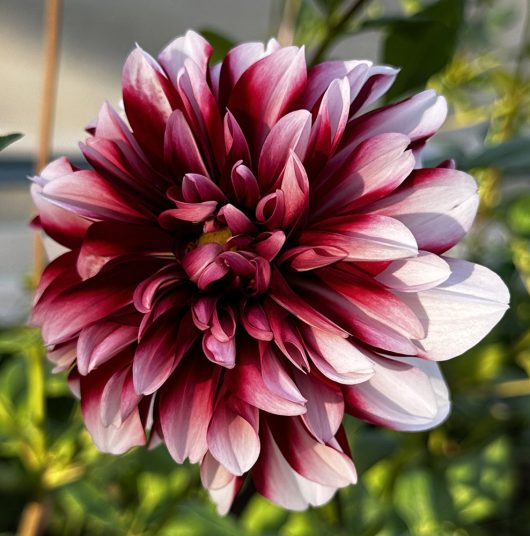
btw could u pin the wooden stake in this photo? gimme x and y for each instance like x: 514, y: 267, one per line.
x: 49, y: 91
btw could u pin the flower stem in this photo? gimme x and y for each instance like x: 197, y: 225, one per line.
x: 335, y: 28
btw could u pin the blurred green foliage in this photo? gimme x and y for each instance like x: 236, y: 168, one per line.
x: 470, y: 476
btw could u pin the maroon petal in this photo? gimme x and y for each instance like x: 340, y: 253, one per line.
x: 282, y: 294
x: 266, y: 90
x: 163, y: 344
x: 235, y: 63
x: 295, y: 186
x: 105, y: 241
x: 147, y: 96
x: 248, y: 382
x: 102, y: 341
x: 94, y: 299
x: 197, y: 188
x: 186, y: 407
x: 245, y: 185
x: 180, y: 148
x: 290, y: 133
x: 219, y: 352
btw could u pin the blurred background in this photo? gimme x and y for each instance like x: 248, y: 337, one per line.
x: 469, y: 476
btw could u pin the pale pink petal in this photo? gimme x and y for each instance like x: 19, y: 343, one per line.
x: 233, y: 435
x: 461, y: 311
x: 437, y: 205
x: 189, y: 46
x: 416, y: 273
x: 363, y: 237
x: 404, y: 394
x: 337, y: 358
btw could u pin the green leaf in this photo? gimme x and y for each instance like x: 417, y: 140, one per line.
x: 512, y: 156
x: 519, y: 216
x: 221, y: 43
x: 422, y: 501
x: 481, y: 482
x: 422, y: 45
x: 8, y: 139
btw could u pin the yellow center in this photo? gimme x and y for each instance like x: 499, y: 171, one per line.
x: 215, y: 237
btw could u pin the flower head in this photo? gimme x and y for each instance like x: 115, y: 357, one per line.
x: 251, y: 255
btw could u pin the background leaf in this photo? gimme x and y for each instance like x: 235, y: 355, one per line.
x: 8, y: 139
x: 422, y: 45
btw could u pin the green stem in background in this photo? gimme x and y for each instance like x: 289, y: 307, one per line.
x: 335, y: 28
x: 287, y: 28
x: 516, y: 92
x: 36, y: 402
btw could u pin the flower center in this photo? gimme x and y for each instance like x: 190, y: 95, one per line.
x: 215, y: 237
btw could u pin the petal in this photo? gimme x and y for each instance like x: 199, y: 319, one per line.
x: 290, y: 133
x: 222, y: 485
x: 337, y: 358
x: 180, y: 148
x: 364, y: 237
x: 186, y: 407
x: 303, y: 258
x: 325, y: 406
x: 162, y: 345
x: 111, y: 438
x: 372, y: 300
x: 266, y: 90
x: 221, y: 353
x: 189, y: 46
x: 374, y: 169
x: 248, y: 383
x: 294, y: 184
x: 280, y: 483
x: 197, y: 188
x: 107, y: 240
x: 419, y: 117
x: 255, y: 321
x: 343, y: 312
x: 461, y: 311
x: 94, y: 299
x: 59, y: 223
x: 319, y: 462
x: 275, y: 375
x: 233, y: 437
x: 102, y: 341
x: 89, y: 195
x: 245, y: 186
x: 284, y: 295
x: 437, y: 205
x: 331, y: 118
x: 146, y: 97
x: 235, y: 63
x: 404, y: 394
x: 415, y: 274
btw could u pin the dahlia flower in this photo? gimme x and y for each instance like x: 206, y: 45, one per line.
x: 253, y: 252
